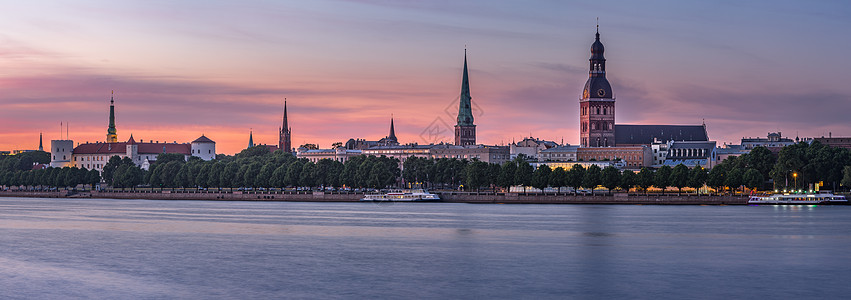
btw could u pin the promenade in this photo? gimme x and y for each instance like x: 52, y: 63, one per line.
x: 449, y: 197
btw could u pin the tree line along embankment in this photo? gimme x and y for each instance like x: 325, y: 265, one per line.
x: 450, y: 197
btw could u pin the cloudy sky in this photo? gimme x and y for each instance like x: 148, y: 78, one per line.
x: 221, y: 68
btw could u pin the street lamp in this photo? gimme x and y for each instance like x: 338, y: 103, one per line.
x: 795, y: 175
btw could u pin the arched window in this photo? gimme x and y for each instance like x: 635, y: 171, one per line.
x: 604, y: 110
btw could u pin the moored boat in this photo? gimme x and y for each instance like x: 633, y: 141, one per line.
x: 799, y: 199
x: 413, y: 195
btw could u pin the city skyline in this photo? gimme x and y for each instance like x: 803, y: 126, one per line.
x: 184, y: 69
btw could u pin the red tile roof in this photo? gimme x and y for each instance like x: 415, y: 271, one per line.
x: 121, y: 148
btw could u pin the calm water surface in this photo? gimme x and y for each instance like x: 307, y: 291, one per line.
x: 143, y: 249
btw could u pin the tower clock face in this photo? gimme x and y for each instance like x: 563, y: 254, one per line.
x: 601, y: 92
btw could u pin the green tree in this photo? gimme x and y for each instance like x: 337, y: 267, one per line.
x: 558, y: 178
x: 541, y: 177
x: 306, y: 177
x: 293, y: 172
x: 752, y: 178
x: 214, y: 178
x: 494, y: 171
x: 646, y: 179
x: 628, y: 180
x: 575, y: 177
x: 265, y: 177
x: 662, y: 179
x: 593, y: 178
x: 93, y: 178
x: 679, y: 177
x: 279, y: 176
x: 183, y: 178
x: 523, y: 175
x: 228, y: 177
x: 697, y: 178
x: 506, y: 174
x: 610, y: 178
x: 734, y: 179
x: 249, y: 176
x: 716, y: 178
x: 109, y: 168
x: 477, y: 174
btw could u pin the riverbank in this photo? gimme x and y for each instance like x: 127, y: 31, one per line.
x: 450, y: 197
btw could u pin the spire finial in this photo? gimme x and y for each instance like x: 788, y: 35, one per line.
x: 112, y: 97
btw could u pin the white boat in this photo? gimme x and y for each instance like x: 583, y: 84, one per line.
x: 800, y: 199
x: 413, y: 195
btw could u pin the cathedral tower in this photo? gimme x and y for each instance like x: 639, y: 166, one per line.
x: 285, y: 134
x: 465, y: 130
x: 597, y: 105
x: 111, y: 133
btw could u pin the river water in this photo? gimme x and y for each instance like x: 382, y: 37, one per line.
x: 148, y: 249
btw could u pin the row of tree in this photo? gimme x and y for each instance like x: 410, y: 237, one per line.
x: 254, y: 167
x: 50, y: 177
x: 257, y: 167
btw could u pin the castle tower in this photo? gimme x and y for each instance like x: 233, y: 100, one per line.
x: 285, y: 137
x: 597, y: 105
x: 111, y: 133
x: 465, y: 130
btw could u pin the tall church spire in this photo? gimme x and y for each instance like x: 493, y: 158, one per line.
x: 40, y: 144
x: 465, y: 130
x: 250, y: 138
x: 465, y: 112
x: 392, y: 135
x: 111, y: 133
x: 285, y: 133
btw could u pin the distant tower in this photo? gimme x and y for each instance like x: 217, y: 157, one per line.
x: 111, y: 134
x: 40, y: 144
x: 285, y: 138
x: 465, y: 130
x: 392, y: 136
x: 250, y: 138
x: 597, y: 105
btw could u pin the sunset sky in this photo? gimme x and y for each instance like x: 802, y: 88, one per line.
x: 221, y: 68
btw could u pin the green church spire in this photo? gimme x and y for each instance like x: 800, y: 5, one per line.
x: 111, y: 133
x: 465, y: 112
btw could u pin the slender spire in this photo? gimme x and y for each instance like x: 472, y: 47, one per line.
x: 285, y: 133
x: 250, y: 138
x: 40, y: 144
x: 465, y: 112
x: 111, y: 132
x: 392, y: 135
x: 285, y: 115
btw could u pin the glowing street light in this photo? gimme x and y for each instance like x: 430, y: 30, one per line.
x: 795, y: 175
